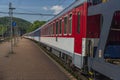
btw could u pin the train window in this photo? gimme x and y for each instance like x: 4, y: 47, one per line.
x: 50, y: 29
x: 65, y: 24
x: 56, y: 27
x: 78, y: 22
x: 47, y: 30
x: 60, y: 24
x: 44, y: 32
x: 70, y: 23
x: 53, y: 28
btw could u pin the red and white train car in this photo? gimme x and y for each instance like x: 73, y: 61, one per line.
x: 68, y: 32
x: 82, y: 35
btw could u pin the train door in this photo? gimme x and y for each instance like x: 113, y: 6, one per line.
x: 94, y: 24
x: 78, y: 36
x: 80, y: 25
x: 91, y: 47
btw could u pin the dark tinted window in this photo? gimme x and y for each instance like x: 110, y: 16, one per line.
x: 56, y: 27
x: 65, y: 24
x: 78, y: 22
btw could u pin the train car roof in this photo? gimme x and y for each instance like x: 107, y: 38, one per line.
x: 73, y: 5
x: 70, y: 7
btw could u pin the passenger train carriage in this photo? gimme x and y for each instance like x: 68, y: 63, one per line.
x: 86, y: 34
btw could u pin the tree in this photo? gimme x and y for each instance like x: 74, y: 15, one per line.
x: 21, y: 24
x: 2, y: 29
x: 35, y: 25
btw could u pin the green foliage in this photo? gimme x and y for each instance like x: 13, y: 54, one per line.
x: 22, y: 25
x: 35, y: 25
x: 2, y: 29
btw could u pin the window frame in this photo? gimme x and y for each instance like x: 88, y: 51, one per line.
x: 60, y: 26
x: 57, y: 26
x: 65, y: 26
x: 70, y: 24
x: 54, y: 29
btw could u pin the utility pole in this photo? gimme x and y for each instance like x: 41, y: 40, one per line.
x: 11, y: 27
x: 2, y: 31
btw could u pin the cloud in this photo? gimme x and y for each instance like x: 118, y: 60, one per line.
x: 56, y: 9
x: 45, y: 8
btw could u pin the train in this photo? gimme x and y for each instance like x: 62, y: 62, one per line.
x: 86, y: 35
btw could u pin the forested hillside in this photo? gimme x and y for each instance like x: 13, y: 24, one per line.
x: 35, y: 25
x: 23, y: 25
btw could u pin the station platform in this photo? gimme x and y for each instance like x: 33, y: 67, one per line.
x: 29, y: 62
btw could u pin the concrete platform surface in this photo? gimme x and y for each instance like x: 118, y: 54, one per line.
x: 28, y: 63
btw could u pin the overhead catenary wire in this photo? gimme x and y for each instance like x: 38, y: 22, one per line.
x: 29, y: 13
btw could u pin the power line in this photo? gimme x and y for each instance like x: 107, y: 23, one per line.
x: 29, y: 13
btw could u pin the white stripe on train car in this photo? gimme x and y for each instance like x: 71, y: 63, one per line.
x: 66, y: 44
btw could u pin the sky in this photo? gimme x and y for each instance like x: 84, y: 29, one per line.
x: 34, y: 6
